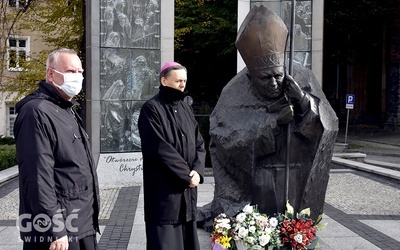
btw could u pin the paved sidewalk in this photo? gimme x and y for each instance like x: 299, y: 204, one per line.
x: 362, y: 209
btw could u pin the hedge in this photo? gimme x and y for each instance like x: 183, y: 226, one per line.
x: 7, y: 140
x: 8, y: 154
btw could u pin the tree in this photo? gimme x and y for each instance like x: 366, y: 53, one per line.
x: 60, y: 24
x: 354, y: 38
x: 205, y: 34
x: 8, y: 17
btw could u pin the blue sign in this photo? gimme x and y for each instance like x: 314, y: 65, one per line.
x: 350, y: 101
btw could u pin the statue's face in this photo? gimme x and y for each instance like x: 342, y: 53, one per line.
x: 268, y: 82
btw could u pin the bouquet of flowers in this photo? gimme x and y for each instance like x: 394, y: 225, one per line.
x: 251, y: 230
x: 248, y: 228
x: 255, y: 230
x: 298, y: 231
x: 221, y: 238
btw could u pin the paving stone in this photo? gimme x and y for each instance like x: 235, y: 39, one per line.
x: 362, y: 209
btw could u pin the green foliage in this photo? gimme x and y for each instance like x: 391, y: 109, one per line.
x: 60, y: 24
x: 349, y: 25
x: 355, y: 17
x: 205, y: 34
x: 8, y: 156
x: 355, y: 12
x: 27, y: 81
x: 206, y: 23
x: 7, y: 140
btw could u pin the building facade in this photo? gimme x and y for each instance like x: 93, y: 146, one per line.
x: 19, y: 44
x: 361, y: 58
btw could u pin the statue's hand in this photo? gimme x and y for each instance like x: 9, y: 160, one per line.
x: 292, y: 89
x: 300, y: 100
x: 285, y: 115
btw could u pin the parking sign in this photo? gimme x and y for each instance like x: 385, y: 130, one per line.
x: 350, y: 101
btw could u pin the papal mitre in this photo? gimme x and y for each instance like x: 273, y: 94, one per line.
x: 261, y: 39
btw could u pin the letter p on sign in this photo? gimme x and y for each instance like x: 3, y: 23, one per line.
x: 350, y: 100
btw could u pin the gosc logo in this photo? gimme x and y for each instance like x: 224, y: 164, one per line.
x: 42, y: 222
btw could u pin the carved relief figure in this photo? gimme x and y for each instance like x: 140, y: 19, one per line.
x: 109, y: 20
x: 115, y: 115
x: 136, y: 21
x: 142, y: 81
x: 125, y: 28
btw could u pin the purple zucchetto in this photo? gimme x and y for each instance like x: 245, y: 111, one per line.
x: 168, y: 65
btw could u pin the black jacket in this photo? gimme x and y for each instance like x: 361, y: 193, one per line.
x: 172, y: 146
x: 58, y: 184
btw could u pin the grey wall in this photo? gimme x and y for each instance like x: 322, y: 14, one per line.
x: 126, y: 42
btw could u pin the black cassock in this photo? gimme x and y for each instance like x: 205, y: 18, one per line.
x: 172, y: 146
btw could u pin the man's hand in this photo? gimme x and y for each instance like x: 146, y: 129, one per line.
x: 292, y: 89
x: 60, y: 244
x: 194, y: 182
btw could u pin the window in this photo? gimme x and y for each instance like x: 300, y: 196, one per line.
x: 11, y: 115
x: 69, y: 3
x: 17, y: 3
x: 17, y: 52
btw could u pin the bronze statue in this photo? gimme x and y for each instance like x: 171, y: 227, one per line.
x: 248, y: 128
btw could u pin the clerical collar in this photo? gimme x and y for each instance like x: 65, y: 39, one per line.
x: 170, y: 94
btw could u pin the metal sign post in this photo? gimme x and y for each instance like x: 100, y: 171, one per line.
x: 350, y: 100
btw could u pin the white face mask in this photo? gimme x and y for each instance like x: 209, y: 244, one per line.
x: 72, y: 84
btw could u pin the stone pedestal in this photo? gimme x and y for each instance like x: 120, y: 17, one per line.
x: 120, y: 169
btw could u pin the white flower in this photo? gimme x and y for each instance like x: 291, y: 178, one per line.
x: 268, y: 230
x: 256, y: 247
x: 252, y: 229
x: 250, y: 240
x: 243, y: 232
x: 262, y: 221
x: 298, y: 238
x: 273, y: 222
x: 240, y: 217
x: 248, y: 209
x: 225, y: 223
x: 252, y: 222
x: 264, y: 239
